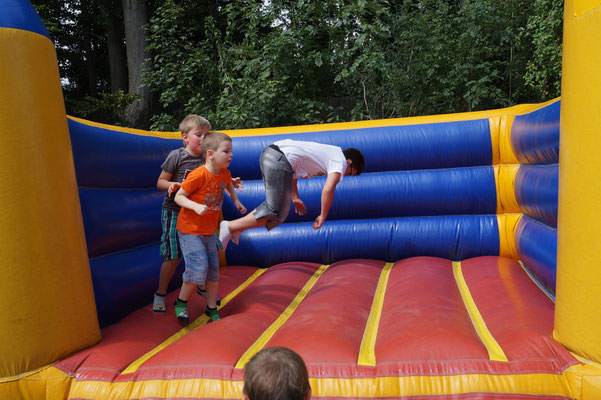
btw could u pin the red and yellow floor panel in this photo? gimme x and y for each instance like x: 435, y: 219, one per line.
x: 420, y: 328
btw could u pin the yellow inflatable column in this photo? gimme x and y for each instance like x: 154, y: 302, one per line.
x: 47, y: 308
x: 578, y: 308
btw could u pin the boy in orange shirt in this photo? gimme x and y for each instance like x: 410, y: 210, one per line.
x: 201, y: 197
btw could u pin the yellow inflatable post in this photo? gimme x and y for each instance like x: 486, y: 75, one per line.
x: 48, y: 308
x: 578, y: 308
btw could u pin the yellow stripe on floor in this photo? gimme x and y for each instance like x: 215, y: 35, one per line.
x: 367, y: 352
x: 269, y: 332
x: 495, y: 352
x: 200, y: 321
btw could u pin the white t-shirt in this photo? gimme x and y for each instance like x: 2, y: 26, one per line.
x: 309, y: 159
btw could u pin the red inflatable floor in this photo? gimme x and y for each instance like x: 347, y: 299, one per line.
x: 424, y: 327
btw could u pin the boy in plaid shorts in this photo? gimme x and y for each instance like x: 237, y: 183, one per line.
x: 175, y: 168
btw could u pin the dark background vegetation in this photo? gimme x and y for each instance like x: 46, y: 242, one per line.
x: 245, y: 64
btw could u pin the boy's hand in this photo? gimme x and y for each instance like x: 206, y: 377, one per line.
x: 237, y: 183
x: 299, y: 206
x: 240, y: 207
x: 318, y: 222
x: 172, y: 188
x: 200, y: 209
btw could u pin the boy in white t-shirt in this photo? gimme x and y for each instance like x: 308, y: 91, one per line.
x: 282, y: 163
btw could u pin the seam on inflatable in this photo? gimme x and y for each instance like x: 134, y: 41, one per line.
x: 495, y: 352
x: 270, y: 331
x: 367, y: 353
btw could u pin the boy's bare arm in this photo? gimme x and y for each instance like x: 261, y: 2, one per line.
x: 299, y: 206
x: 327, y: 196
x: 181, y: 198
x: 229, y: 188
x: 164, y: 182
x: 238, y: 183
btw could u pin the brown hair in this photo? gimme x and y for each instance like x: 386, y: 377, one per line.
x: 192, y: 121
x: 212, y: 140
x: 276, y: 373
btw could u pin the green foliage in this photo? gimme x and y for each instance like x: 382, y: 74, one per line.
x: 79, y: 35
x: 256, y: 63
x: 544, y: 30
x: 106, y: 107
x: 184, y: 72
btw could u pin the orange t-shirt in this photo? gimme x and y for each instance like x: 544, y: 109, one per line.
x: 204, y: 188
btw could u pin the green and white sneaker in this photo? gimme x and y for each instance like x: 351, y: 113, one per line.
x: 181, y: 310
x: 212, y: 314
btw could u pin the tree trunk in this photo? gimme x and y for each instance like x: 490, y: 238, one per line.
x: 137, y: 114
x: 115, y: 47
x: 89, y: 56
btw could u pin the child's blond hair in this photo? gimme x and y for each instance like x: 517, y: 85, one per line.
x: 212, y: 140
x: 192, y: 121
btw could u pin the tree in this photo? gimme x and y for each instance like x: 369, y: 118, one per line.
x: 544, y: 31
x: 115, y: 45
x: 91, y: 69
x: 254, y: 63
x: 137, y: 113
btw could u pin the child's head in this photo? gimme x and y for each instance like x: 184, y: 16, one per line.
x: 356, y: 159
x: 193, y: 128
x: 276, y: 373
x: 212, y: 141
x: 217, y: 149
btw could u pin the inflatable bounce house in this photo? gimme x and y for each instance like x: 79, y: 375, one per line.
x: 462, y: 264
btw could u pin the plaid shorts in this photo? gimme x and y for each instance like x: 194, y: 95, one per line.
x: 170, y: 249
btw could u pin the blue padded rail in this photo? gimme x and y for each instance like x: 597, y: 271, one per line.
x: 537, y: 248
x: 126, y: 281
x: 536, y: 188
x: 535, y: 136
x: 411, y: 147
x: 453, y: 237
x: 111, y: 159
x: 116, y: 220
x: 389, y: 194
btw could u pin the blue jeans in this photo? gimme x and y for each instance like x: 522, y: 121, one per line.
x: 200, y: 255
x: 277, y: 178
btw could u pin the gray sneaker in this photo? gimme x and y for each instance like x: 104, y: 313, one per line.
x: 158, y: 305
x: 203, y: 293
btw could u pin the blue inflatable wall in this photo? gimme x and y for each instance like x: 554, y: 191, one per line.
x: 427, y: 189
